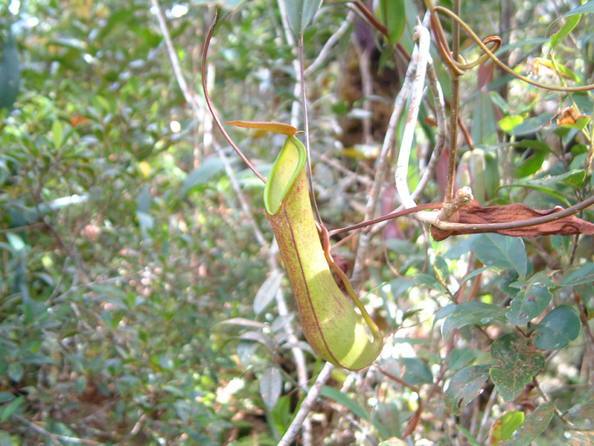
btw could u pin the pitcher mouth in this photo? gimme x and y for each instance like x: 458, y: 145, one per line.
x: 287, y: 166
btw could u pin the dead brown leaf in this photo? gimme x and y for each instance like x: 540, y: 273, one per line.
x: 475, y: 214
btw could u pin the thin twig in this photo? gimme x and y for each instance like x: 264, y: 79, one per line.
x: 483, y: 430
x: 292, y: 44
x: 364, y: 56
x: 306, y: 405
x: 329, y: 45
x: 204, y: 72
x: 192, y: 101
x: 56, y: 439
x: 302, y: 89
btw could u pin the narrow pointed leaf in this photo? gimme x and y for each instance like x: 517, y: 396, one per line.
x: 300, y: 13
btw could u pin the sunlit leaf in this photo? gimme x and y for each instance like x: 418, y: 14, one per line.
x: 535, y: 424
x: 57, y: 134
x: 567, y: 28
x: 532, y: 125
x: 534, y: 162
x: 504, y: 427
x: 510, y: 122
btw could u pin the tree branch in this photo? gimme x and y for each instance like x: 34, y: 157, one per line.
x: 329, y: 45
x: 421, y: 55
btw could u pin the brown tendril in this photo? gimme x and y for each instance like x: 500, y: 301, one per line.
x: 458, y: 67
x: 204, y: 72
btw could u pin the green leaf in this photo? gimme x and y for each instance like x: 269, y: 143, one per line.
x: 516, y: 364
x: 573, y: 178
x: 57, y: 134
x: 468, y: 435
x: 483, y: 124
x: 15, y: 371
x: 545, y: 190
x: 532, y: 125
x: 502, y: 252
x: 567, y: 27
x: 465, y: 385
x: 587, y: 8
x: 11, y: 408
x: 534, y: 162
x: 16, y: 242
x: 504, y: 427
x: 392, y: 13
x: 460, y: 357
x: 529, y: 303
x: 300, y: 13
x: 6, y: 397
x: 386, y: 419
x: 536, y: 423
x: 271, y: 383
x: 471, y: 313
x: 558, y: 328
x: 7, y: 440
x: 499, y: 102
x: 566, y: 72
x: 416, y: 371
x: 579, y: 276
x: 510, y: 122
x: 267, y: 292
x: 10, y: 73
x: 200, y: 176
x: 280, y: 415
x: 581, y: 415
x: 346, y: 401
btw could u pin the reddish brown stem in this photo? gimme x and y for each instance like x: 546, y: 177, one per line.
x: 391, y: 215
x: 215, y: 117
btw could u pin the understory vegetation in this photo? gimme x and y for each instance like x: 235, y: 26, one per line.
x: 143, y: 300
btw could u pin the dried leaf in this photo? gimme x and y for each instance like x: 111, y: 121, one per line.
x: 474, y: 213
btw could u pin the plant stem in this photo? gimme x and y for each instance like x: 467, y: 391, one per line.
x: 454, y: 110
x: 307, y: 405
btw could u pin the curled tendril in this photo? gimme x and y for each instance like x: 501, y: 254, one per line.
x: 458, y: 67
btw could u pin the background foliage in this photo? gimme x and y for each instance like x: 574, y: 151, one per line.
x: 133, y: 308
